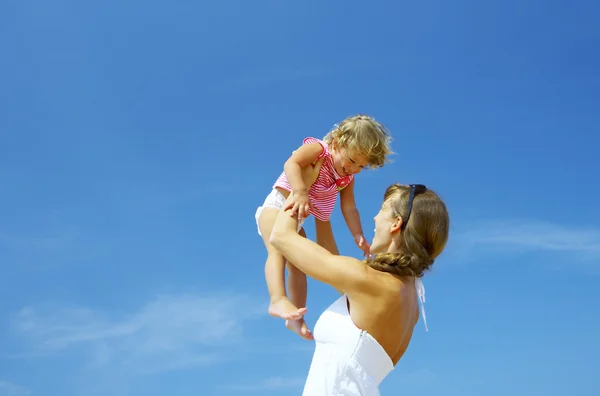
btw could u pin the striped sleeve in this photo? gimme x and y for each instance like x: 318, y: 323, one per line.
x: 325, y: 146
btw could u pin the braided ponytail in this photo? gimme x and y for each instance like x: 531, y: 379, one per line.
x: 400, y: 264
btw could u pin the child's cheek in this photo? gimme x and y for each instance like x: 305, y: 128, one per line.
x: 351, y: 167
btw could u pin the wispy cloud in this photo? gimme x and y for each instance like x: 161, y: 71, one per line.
x: 12, y: 389
x: 169, y: 333
x: 36, y: 249
x: 44, y: 240
x: 56, y: 240
x: 528, y: 236
x: 271, y: 384
x: 413, y: 378
x: 417, y: 378
x: 152, y: 200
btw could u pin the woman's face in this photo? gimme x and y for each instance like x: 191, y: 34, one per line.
x: 385, y: 226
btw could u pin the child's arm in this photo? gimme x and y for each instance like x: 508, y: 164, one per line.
x: 300, y: 159
x: 352, y: 217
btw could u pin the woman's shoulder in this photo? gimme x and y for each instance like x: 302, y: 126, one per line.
x: 380, y: 284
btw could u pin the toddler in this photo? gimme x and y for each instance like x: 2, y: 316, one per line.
x: 357, y: 143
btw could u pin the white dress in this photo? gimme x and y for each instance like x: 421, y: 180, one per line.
x: 347, y: 361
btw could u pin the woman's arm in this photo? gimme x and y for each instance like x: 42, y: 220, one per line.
x: 346, y: 274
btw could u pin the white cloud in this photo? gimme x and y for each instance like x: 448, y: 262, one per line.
x: 49, y: 242
x: 12, y: 389
x: 412, y: 378
x: 169, y: 333
x: 416, y: 378
x: 46, y: 245
x: 151, y: 200
x: 271, y: 384
x: 528, y: 236
x: 538, y: 235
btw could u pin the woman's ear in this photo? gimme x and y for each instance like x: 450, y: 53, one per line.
x: 396, y: 225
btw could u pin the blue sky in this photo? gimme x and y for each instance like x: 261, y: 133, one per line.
x: 137, y: 139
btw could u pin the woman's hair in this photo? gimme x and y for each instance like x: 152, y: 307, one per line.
x: 364, y: 135
x: 424, y: 237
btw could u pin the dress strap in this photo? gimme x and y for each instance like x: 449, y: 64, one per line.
x: 421, y: 294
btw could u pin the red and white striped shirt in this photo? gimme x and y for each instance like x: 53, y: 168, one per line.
x: 323, y: 193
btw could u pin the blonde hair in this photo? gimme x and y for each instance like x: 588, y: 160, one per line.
x: 364, y: 135
x: 424, y: 237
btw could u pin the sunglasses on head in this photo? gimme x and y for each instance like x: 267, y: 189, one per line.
x: 415, y: 189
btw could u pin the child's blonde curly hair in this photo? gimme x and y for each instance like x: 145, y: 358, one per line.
x: 362, y: 134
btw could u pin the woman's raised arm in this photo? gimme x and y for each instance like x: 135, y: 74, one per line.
x: 342, y: 272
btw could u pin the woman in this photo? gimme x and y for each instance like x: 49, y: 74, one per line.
x: 361, y: 337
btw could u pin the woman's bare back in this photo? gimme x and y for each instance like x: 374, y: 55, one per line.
x: 389, y: 315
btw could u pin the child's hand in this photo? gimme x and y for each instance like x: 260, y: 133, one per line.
x: 362, y: 244
x: 300, y: 204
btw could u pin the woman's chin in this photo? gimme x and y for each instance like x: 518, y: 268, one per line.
x: 375, y: 250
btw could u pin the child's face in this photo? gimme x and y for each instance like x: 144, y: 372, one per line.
x: 348, y: 162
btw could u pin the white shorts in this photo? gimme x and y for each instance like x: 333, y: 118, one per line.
x: 274, y: 200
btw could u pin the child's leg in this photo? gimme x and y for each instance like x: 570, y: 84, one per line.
x: 297, y: 286
x: 280, y: 305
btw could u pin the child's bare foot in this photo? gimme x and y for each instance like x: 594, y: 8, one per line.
x: 299, y: 326
x: 283, y: 308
